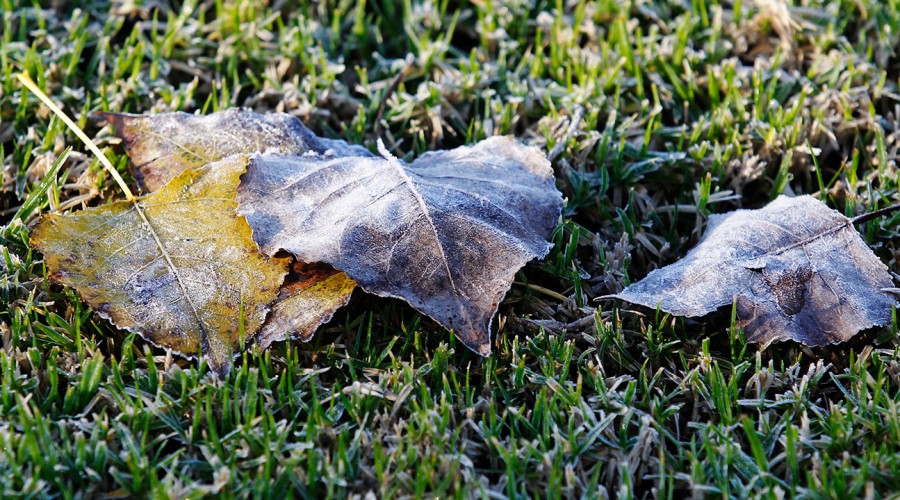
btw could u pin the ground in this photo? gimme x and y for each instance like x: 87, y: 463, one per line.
x: 656, y: 113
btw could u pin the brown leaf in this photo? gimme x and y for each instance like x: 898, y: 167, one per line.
x: 446, y: 233
x: 309, y: 297
x: 177, y: 266
x: 164, y: 145
x: 795, y: 269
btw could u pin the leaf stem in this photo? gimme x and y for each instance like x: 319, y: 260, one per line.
x: 874, y: 215
x: 30, y: 85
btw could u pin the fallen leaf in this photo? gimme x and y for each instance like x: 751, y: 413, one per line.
x: 795, y: 269
x: 162, y: 146
x: 309, y: 297
x: 446, y: 233
x: 177, y: 266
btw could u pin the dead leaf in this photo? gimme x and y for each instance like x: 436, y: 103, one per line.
x: 309, y: 297
x: 446, y: 233
x: 164, y: 145
x: 178, y: 266
x: 795, y: 269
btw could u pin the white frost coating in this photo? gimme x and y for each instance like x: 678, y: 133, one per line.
x: 446, y: 233
x: 795, y: 269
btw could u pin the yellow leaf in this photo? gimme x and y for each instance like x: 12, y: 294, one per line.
x: 178, y: 266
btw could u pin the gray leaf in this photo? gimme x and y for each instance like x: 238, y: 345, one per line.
x: 795, y: 269
x: 446, y: 233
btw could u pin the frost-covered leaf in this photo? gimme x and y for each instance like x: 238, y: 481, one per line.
x: 795, y: 269
x: 309, y: 297
x: 446, y: 233
x: 178, y: 266
x: 164, y: 145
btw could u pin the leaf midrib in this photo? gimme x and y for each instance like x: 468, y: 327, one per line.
x: 172, y: 268
x: 423, y: 207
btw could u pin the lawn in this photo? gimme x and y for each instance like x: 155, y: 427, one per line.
x: 655, y: 113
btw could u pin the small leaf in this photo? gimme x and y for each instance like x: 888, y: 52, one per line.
x: 795, y: 269
x: 178, y: 266
x: 309, y: 297
x: 164, y: 145
x: 446, y: 233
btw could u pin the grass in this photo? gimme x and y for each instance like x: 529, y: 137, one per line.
x: 660, y: 112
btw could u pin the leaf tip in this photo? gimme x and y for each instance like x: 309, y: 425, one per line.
x: 218, y: 355
x: 114, y: 120
x: 484, y: 349
x: 221, y: 367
